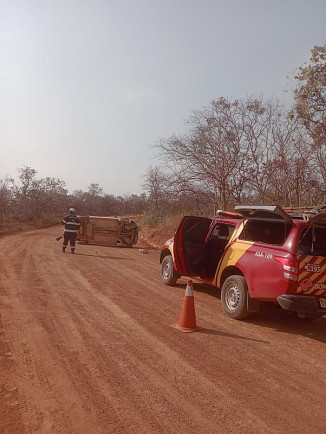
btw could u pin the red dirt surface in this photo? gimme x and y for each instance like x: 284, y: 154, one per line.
x: 87, y: 346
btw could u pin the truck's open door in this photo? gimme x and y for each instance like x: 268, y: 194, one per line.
x: 189, y: 245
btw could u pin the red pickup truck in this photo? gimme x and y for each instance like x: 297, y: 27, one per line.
x: 255, y: 254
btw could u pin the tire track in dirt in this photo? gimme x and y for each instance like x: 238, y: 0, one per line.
x: 85, y: 323
x: 121, y: 316
x: 37, y: 391
x: 138, y: 297
x: 92, y: 350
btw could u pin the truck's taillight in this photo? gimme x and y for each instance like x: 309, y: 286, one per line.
x: 290, y: 267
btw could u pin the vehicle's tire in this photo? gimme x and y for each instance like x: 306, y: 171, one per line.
x: 234, y: 297
x: 169, y: 275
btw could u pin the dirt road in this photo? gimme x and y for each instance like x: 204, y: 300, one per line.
x: 86, y: 346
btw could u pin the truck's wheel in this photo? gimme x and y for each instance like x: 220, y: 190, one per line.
x: 234, y: 297
x: 169, y: 275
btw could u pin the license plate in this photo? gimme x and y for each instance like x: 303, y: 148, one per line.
x: 322, y: 302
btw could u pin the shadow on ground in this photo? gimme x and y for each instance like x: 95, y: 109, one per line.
x: 272, y: 316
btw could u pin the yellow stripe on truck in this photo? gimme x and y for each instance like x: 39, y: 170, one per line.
x: 232, y: 256
x: 314, y: 278
x: 302, y: 271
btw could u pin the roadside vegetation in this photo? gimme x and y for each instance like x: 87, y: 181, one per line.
x: 248, y: 150
x: 31, y: 202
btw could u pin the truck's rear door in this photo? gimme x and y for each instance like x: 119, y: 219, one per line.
x: 311, y: 257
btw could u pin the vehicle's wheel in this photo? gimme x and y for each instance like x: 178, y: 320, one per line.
x: 169, y: 275
x: 234, y: 297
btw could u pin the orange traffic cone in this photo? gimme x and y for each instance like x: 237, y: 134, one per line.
x: 187, y: 320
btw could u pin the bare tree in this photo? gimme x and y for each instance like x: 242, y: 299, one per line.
x: 293, y: 179
x: 33, y: 198
x: 224, y: 152
x: 155, y: 185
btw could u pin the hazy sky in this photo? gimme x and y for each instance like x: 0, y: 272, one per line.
x: 86, y: 86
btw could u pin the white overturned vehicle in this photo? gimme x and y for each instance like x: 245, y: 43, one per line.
x: 108, y: 231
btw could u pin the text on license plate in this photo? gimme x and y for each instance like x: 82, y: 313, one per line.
x: 322, y: 302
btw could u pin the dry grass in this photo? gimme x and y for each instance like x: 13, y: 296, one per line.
x: 155, y: 237
x: 15, y: 227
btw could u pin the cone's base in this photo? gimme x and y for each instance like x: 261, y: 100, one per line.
x: 186, y: 329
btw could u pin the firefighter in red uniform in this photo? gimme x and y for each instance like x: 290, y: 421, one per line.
x: 72, y: 225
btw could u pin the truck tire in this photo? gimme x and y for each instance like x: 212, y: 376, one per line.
x: 169, y: 275
x: 234, y: 297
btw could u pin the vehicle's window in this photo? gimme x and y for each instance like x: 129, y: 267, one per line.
x: 222, y: 231
x: 313, y: 241
x: 267, y: 232
x: 319, y: 245
x: 305, y: 242
x: 195, y: 230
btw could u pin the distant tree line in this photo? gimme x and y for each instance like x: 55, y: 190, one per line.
x: 247, y: 151
x: 33, y: 199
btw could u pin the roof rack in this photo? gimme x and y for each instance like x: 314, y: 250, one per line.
x: 306, y: 212
x: 299, y: 212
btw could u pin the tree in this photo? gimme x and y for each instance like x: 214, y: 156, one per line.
x: 310, y: 96
x: 223, y: 155
x: 24, y: 191
x: 95, y: 190
x: 260, y: 126
x: 292, y: 175
x: 33, y: 198
x: 5, y: 197
x: 246, y: 150
x: 319, y: 155
x: 155, y: 187
x: 208, y: 160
